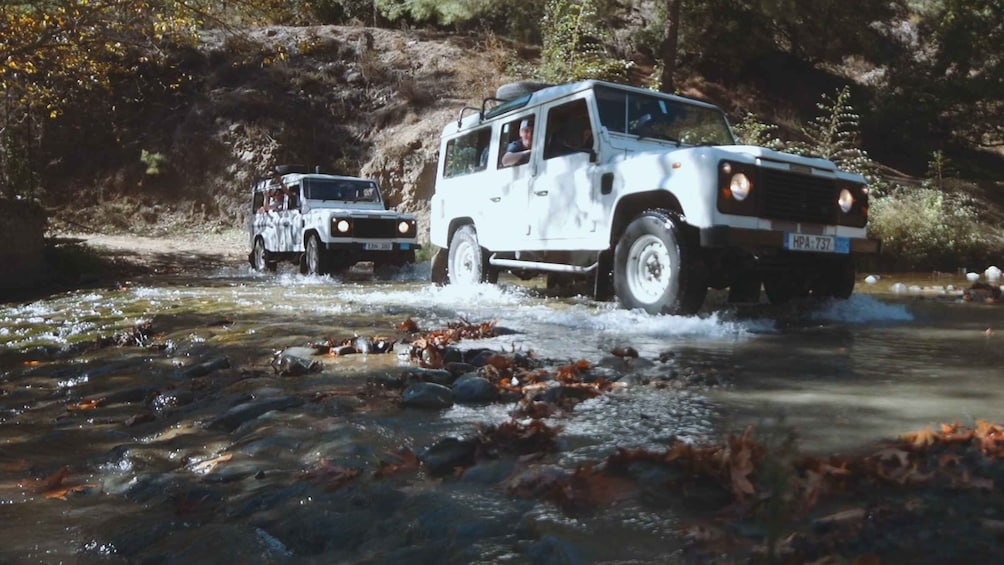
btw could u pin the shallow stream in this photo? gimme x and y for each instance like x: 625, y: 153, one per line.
x: 163, y: 471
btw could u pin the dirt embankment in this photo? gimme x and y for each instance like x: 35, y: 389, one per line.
x: 357, y: 101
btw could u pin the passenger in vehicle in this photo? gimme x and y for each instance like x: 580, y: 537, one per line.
x: 518, y: 152
x: 276, y: 199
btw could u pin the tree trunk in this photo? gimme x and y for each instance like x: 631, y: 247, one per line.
x: 669, y: 42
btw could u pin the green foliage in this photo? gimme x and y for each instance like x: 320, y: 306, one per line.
x: 152, y: 160
x: 834, y: 134
x: 923, y: 227
x: 17, y: 173
x: 574, y: 44
x: 969, y: 69
x: 751, y: 131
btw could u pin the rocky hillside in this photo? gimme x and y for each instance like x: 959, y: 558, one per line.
x: 357, y: 101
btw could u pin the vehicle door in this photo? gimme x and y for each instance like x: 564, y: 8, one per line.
x: 563, y: 203
x: 265, y: 222
x: 507, y: 221
x: 293, y: 222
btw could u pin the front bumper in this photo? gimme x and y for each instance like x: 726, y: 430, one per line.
x: 753, y: 240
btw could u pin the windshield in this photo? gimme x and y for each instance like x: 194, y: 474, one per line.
x: 653, y: 116
x: 340, y: 189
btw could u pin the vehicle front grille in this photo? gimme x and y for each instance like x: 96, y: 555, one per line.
x: 385, y: 228
x: 797, y: 197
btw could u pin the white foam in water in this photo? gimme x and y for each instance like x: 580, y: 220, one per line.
x: 614, y: 320
x: 861, y: 308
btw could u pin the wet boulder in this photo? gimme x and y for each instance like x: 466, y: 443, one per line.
x: 438, y: 376
x: 447, y: 455
x: 474, y: 389
x: 427, y: 395
x: 293, y: 363
x: 457, y: 368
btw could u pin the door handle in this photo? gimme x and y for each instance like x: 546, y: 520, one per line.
x: 540, y: 192
x: 495, y: 199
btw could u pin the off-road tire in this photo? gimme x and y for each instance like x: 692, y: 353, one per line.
x: 656, y: 268
x: 260, y: 260
x: 315, y: 256
x: 468, y: 262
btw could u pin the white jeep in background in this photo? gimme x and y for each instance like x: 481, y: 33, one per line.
x: 326, y: 223
x: 645, y: 195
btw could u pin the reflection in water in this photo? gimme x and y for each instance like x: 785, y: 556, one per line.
x: 170, y: 460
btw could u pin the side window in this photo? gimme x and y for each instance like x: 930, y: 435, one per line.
x: 467, y: 154
x: 258, y: 201
x: 516, y: 136
x: 569, y: 130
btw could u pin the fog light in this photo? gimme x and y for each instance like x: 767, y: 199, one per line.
x: 740, y: 186
x: 846, y: 200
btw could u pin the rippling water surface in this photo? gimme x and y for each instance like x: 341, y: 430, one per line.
x: 155, y: 474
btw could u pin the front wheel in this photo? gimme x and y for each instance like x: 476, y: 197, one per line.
x: 655, y: 269
x: 259, y: 257
x: 315, y: 260
x: 467, y: 263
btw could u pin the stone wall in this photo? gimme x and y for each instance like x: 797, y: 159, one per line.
x: 22, y: 245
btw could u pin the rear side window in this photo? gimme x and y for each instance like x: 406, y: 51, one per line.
x: 467, y: 154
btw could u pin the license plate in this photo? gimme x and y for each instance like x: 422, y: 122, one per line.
x: 817, y: 243
x: 379, y: 246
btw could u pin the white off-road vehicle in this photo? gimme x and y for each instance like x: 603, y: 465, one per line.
x: 326, y: 223
x: 646, y: 195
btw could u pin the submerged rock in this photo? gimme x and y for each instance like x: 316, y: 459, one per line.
x: 474, y: 389
x: 427, y: 395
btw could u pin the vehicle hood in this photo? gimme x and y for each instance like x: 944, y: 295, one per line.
x: 756, y: 152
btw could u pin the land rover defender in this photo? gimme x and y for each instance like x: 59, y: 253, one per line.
x: 326, y: 223
x: 645, y: 195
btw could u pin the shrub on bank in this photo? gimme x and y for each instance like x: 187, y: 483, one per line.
x: 924, y: 228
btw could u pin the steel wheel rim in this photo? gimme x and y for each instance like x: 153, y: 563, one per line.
x: 649, y: 269
x: 464, y: 260
x: 312, y: 255
x: 259, y: 255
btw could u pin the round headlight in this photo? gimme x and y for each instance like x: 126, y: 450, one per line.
x: 740, y: 186
x: 846, y: 200
x: 342, y: 226
x: 403, y: 226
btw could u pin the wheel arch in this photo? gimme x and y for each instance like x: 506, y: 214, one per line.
x: 309, y: 232
x: 455, y: 224
x: 631, y: 205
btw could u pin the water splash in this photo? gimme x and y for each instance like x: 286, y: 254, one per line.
x: 861, y: 309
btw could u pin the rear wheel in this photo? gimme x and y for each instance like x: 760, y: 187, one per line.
x: 467, y: 263
x: 315, y: 256
x: 655, y: 269
x: 260, y: 257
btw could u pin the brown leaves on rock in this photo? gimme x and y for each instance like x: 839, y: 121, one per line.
x: 428, y: 348
x: 518, y: 438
